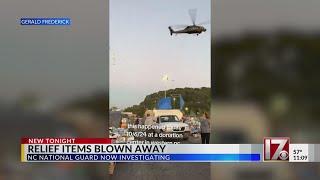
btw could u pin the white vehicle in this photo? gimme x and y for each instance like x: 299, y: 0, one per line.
x: 170, y: 126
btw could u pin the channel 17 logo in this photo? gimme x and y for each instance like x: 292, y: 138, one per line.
x: 276, y: 149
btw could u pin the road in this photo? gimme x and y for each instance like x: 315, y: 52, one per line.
x: 163, y: 171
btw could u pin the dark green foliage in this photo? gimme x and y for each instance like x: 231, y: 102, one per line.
x: 197, y: 100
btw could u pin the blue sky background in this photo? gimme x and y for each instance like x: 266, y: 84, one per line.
x: 142, y: 50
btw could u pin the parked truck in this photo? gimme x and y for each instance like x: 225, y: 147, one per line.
x: 168, y: 123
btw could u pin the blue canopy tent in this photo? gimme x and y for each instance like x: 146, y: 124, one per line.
x: 165, y: 103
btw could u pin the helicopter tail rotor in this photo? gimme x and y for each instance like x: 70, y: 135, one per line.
x: 171, y: 30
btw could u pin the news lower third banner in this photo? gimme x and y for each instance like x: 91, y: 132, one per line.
x: 101, y: 150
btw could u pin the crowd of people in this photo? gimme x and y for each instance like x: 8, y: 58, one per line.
x: 204, y: 129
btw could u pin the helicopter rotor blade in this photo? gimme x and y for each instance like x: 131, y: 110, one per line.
x: 179, y: 26
x: 204, y: 23
x: 193, y: 15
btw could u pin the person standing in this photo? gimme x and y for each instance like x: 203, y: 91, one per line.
x: 137, y: 121
x: 149, y: 120
x: 205, y: 128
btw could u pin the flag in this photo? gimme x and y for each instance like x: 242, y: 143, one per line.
x: 165, y: 78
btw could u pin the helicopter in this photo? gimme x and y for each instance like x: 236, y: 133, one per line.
x: 190, y: 29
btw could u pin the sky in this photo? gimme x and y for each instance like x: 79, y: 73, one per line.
x: 142, y: 50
